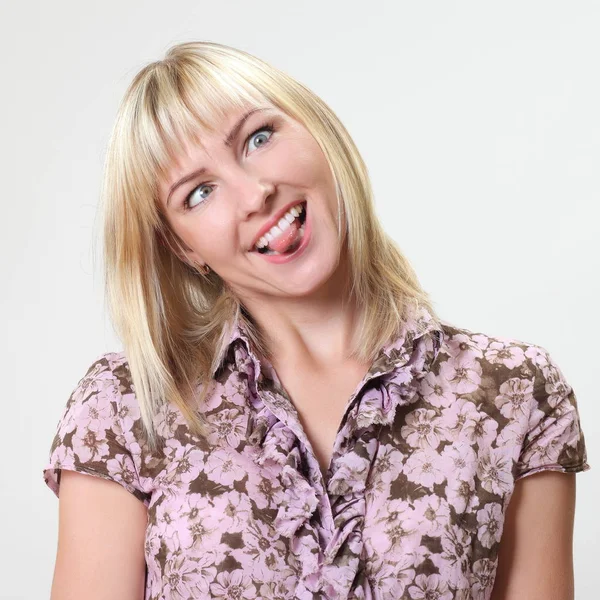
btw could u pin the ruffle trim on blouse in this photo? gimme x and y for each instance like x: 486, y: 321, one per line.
x: 276, y: 449
x: 348, y: 483
x: 377, y: 407
x: 391, y: 383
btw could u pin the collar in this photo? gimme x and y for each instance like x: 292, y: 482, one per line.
x: 418, y: 322
x: 233, y: 331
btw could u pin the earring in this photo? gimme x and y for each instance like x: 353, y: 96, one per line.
x: 203, y: 269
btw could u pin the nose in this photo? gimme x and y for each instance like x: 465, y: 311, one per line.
x: 252, y: 192
x: 253, y: 195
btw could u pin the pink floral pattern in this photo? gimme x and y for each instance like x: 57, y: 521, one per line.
x: 412, y: 505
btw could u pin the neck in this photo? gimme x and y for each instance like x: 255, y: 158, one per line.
x: 315, y: 330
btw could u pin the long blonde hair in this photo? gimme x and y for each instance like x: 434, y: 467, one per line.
x: 173, y: 323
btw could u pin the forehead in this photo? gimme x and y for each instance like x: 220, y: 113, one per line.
x: 223, y: 127
x: 219, y: 134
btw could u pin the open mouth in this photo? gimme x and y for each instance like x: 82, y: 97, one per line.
x: 283, y: 241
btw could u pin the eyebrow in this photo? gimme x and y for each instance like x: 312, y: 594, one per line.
x: 228, y: 141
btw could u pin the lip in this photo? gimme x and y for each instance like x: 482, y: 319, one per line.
x: 284, y: 258
x: 273, y: 221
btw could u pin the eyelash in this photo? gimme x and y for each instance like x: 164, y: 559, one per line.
x: 270, y: 127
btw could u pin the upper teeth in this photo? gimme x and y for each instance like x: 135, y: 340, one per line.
x: 283, y: 224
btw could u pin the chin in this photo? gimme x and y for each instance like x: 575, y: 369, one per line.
x: 309, y: 279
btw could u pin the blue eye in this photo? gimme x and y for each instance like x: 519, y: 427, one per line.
x: 257, y: 134
x: 186, y: 202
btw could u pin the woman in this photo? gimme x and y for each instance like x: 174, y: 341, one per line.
x: 290, y: 418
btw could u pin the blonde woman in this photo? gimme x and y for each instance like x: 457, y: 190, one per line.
x: 289, y: 418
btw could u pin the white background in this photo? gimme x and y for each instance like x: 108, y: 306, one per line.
x: 478, y: 121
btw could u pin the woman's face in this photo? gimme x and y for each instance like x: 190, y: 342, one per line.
x: 269, y: 165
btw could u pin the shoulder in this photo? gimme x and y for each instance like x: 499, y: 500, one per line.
x: 510, y: 397
x: 511, y: 379
x: 98, y: 431
x: 109, y: 374
x: 492, y: 355
x: 109, y: 366
x: 101, y: 397
x: 520, y: 386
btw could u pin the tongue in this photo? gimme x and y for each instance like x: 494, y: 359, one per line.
x: 283, y: 241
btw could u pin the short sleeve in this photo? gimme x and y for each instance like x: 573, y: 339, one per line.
x: 554, y: 439
x: 91, y: 437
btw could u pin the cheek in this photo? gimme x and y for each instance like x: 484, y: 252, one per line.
x: 308, y: 168
x: 301, y: 162
x: 317, y: 166
x: 201, y: 232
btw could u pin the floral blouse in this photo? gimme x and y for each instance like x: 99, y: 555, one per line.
x: 412, y: 505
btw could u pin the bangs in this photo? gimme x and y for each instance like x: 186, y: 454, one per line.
x: 172, y: 102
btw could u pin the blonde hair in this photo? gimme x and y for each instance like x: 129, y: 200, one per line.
x: 174, y: 324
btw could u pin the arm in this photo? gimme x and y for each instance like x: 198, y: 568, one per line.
x: 535, y: 559
x: 101, y: 536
